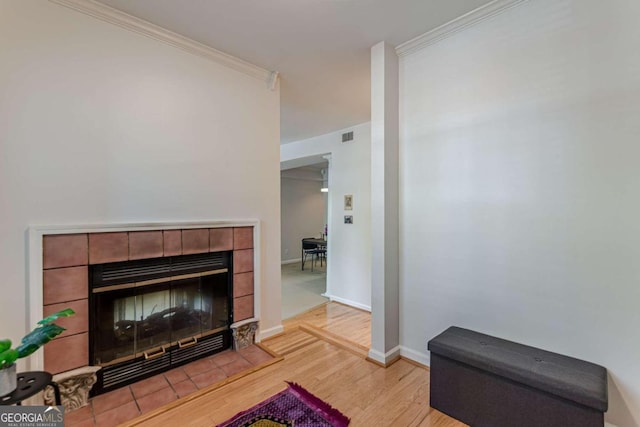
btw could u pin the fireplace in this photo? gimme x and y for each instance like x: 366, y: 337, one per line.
x: 179, y: 292
x: 151, y: 315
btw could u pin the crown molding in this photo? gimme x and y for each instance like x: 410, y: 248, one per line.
x: 452, y: 27
x: 116, y: 17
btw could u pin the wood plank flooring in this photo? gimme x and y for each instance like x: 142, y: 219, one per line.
x: 317, y: 357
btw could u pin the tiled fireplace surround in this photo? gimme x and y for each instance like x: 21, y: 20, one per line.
x: 65, y: 275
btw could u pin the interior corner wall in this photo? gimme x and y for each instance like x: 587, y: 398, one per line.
x: 349, y: 245
x: 302, y: 209
x: 520, y: 186
x: 101, y: 125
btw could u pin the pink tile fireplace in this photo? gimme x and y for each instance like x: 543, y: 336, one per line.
x: 68, y: 259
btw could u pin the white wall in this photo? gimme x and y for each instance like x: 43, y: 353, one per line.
x: 102, y: 125
x: 302, y: 209
x: 349, y: 246
x: 520, y: 184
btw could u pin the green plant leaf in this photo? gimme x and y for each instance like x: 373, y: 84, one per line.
x: 37, y: 338
x: 5, y: 345
x: 55, y: 316
x: 7, y: 357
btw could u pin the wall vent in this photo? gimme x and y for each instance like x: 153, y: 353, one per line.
x: 346, y: 137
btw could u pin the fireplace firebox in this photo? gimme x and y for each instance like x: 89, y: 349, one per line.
x: 152, y: 315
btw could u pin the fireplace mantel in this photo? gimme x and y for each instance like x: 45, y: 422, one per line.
x: 35, y: 265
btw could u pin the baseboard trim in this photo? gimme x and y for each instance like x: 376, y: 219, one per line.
x: 347, y: 302
x: 384, y: 359
x: 416, y: 356
x: 291, y: 261
x: 264, y: 334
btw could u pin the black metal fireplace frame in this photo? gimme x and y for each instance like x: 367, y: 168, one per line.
x: 110, y: 275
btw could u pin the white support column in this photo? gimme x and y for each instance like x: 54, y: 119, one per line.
x: 385, y: 318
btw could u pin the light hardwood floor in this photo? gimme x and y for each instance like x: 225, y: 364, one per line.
x: 322, y: 350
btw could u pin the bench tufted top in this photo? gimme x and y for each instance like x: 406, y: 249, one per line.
x: 573, y: 379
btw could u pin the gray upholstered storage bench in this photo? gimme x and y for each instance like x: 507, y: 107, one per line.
x: 486, y: 381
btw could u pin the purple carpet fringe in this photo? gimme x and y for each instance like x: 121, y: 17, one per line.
x: 329, y: 413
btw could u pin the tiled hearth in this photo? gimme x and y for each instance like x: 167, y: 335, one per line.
x: 126, y: 403
x: 66, y: 261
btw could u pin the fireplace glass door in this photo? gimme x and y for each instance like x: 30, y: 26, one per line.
x: 146, y: 321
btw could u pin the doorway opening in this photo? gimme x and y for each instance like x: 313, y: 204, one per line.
x: 304, y: 207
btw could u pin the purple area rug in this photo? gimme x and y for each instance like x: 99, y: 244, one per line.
x: 294, y: 406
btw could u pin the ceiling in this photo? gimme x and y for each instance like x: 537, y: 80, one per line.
x: 320, y: 47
